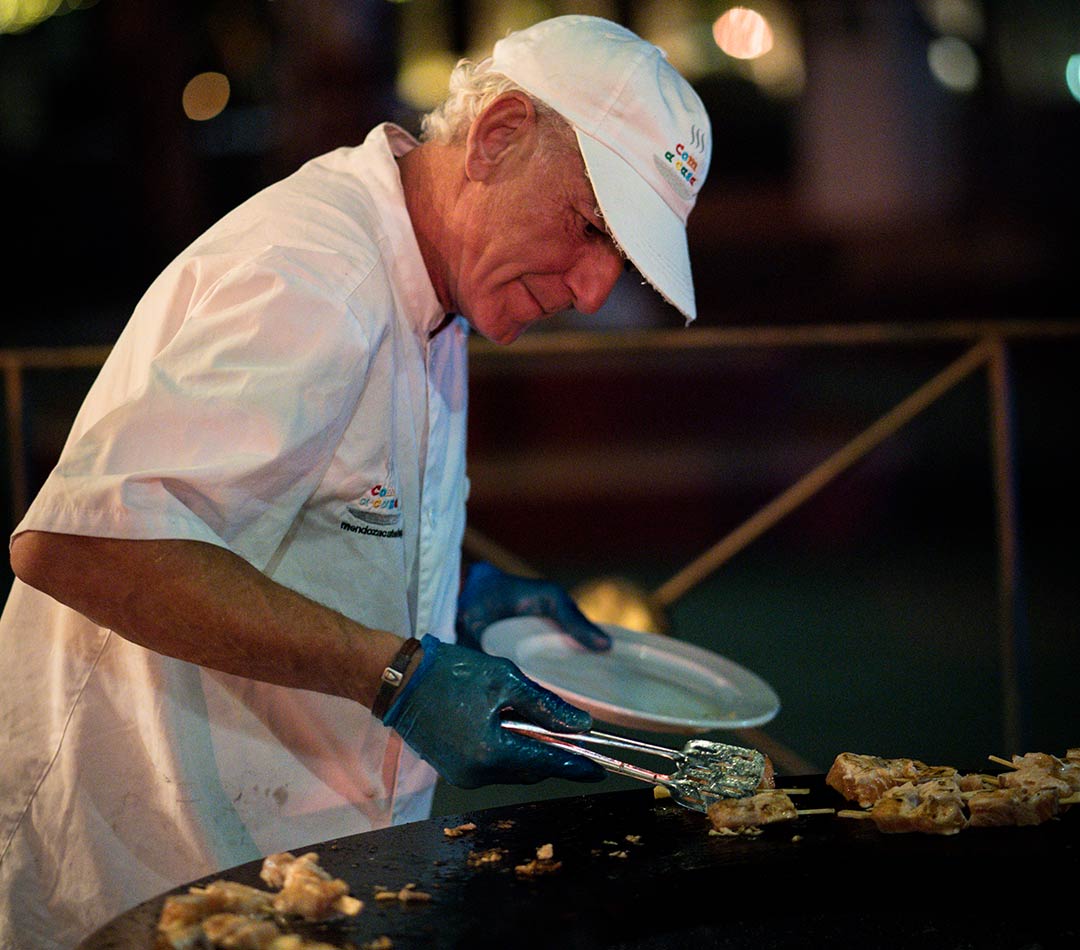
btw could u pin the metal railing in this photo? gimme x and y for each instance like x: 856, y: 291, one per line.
x: 987, y: 348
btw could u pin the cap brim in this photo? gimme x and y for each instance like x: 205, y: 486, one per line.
x: 648, y: 231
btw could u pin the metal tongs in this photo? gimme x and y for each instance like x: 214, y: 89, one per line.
x: 704, y: 772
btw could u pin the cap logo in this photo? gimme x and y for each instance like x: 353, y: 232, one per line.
x: 697, y: 138
x: 680, y: 163
x: 684, y: 163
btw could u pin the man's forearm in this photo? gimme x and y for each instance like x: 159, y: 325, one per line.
x: 206, y: 605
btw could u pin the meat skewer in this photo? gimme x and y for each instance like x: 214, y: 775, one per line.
x: 865, y: 778
x: 752, y: 811
x: 941, y: 800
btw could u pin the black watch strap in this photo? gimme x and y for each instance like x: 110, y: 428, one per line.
x: 392, y: 677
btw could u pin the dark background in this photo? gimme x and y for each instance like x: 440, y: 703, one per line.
x: 871, y: 195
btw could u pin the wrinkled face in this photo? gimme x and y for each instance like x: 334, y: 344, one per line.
x: 533, y: 244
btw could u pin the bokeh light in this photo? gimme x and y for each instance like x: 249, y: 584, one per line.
x: 19, y: 15
x: 780, y: 72
x: 205, y: 96
x: 953, y: 63
x: 619, y: 601
x: 743, y: 33
x: 963, y: 18
x: 422, y: 79
x: 1072, y: 75
x: 685, y: 39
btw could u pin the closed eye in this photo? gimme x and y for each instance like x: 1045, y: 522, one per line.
x: 594, y: 231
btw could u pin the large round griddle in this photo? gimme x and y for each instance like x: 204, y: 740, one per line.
x: 820, y: 881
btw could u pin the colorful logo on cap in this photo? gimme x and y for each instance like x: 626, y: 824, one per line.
x: 680, y: 164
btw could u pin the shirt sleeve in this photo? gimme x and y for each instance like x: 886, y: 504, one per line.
x: 231, y: 426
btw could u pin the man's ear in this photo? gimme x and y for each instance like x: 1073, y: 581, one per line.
x: 505, y: 125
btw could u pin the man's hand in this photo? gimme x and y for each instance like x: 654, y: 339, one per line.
x: 489, y: 595
x: 450, y: 709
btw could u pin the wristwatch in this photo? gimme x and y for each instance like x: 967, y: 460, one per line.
x: 393, y: 676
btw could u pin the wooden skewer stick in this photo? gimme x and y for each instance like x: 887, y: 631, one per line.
x: 1001, y: 761
x: 794, y: 791
x: 1073, y: 799
x: 852, y: 813
x: 815, y: 811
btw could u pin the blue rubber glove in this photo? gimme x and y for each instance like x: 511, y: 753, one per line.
x: 449, y: 712
x: 489, y: 595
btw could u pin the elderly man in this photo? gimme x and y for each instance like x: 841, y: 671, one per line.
x: 234, y: 627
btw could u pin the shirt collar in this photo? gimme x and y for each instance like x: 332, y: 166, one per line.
x: 382, y: 147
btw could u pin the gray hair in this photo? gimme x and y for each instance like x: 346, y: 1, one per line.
x: 473, y: 87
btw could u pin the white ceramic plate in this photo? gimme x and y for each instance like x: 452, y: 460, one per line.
x: 645, y: 681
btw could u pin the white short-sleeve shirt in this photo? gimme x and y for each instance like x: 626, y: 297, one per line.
x: 286, y: 389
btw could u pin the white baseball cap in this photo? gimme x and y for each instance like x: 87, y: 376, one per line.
x: 642, y: 129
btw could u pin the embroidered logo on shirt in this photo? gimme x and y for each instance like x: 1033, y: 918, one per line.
x: 379, y: 505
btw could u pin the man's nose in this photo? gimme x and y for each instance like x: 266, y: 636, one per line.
x: 592, y: 277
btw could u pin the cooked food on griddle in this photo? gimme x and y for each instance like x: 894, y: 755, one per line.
x: 977, y: 782
x: 941, y: 800
x: 1041, y: 770
x: 251, y: 933
x: 226, y: 914
x: 762, y: 808
x: 863, y: 778
x: 1012, y: 805
x: 306, y: 889
x: 935, y: 806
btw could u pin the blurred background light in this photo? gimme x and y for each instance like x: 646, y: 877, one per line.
x: 1039, y: 39
x: 1072, y: 75
x: 206, y: 96
x: 422, y: 79
x: 617, y: 600
x: 953, y: 63
x: 743, y: 33
x: 963, y: 18
x: 19, y: 15
x: 781, y: 70
x: 690, y: 43
x: 685, y: 40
